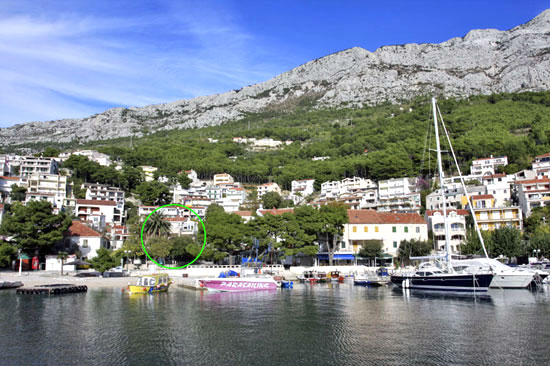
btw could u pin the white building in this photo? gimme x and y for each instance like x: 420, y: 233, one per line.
x: 542, y: 162
x: 91, y: 210
x: 357, y: 184
x: 454, y: 196
x: 533, y: 193
x: 499, y: 185
x: 49, y: 187
x: 396, y: 187
x: 300, y: 189
x: 268, y: 187
x: 457, y: 228
x: 489, y: 165
x: 1, y: 212
x: 332, y: 189
x: 31, y: 165
x: 6, y: 183
x: 92, y: 155
x: 182, y: 226
x: 148, y: 172
x: 87, y: 239
x: 223, y: 178
x: 388, y: 227
x: 410, y: 202
x: 103, y: 192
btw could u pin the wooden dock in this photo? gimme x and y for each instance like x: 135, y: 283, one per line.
x: 56, y: 289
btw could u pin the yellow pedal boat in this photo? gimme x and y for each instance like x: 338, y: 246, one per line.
x: 151, y: 284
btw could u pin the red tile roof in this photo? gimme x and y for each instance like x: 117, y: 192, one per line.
x: 1, y: 206
x: 533, y: 181
x: 482, y: 197
x: 494, y: 176
x: 79, y: 229
x: 9, y: 178
x: 243, y: 213
x: 458, y: 212
x: 277, y: 211
x: 96, y: 202
x: 543, y: 156
x: 374, y: 217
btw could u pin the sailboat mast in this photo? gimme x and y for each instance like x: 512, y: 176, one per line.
x: 441, y: 187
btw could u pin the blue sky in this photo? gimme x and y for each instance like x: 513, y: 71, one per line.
x: 62, y: 59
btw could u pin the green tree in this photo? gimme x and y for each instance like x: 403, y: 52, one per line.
x: 272, y: 200
x: 413, y: 248
x: 18, y: 193
x: 184, y: 180
x: 153, y: 193
x: 7, y: 254
x: 156, y: 226
x: 333, y: 219
x: 159, y: 247
x: 50, y: 152
x: 103, y: 261
x: 225, y: 231
x: 34, y: 227
x: 506, y: 241
x: 541, y: 243
x: 371, y: 249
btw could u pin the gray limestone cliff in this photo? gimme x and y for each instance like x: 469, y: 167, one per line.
x: 482, y: 62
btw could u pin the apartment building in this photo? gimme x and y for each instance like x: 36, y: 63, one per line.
x: 389, y: 227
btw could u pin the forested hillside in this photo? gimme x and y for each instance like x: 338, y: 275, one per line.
x: 376, y: 142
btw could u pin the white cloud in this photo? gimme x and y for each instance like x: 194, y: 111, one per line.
x: 65, y: 64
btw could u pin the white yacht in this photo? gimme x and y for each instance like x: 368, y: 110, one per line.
x: 505, y: 276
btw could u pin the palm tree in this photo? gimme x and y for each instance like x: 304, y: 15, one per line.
x: 156, y: 226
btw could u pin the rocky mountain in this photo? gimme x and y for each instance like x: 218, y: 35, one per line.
x: 482, y: 62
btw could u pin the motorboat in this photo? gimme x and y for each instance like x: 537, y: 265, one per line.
x: 505, y: 276
x: 151, y: 284
x: 238, y: 284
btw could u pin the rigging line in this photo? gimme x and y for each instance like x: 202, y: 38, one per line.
x: 469, y: 201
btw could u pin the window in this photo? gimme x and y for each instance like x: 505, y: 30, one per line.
x: 394, y: 229
x: 366, y: 229
x: 418, y: 229
x: 354, y: 229
x: 376, y: 229
x: 406, y: 229
x: 395, y: 244
x: 85, y: 243
x: 343, y: 245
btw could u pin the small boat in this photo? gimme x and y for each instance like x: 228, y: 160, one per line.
x: 335, y: 276
x: 151, y: 284
x: 10, y: 284
x: 239, y: 284
x: 376, y: 279
x: 308, y: 276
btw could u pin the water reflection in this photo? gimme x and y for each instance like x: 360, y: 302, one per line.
x: 324, y: 324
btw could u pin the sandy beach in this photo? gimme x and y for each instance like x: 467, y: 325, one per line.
x: 43, y: 278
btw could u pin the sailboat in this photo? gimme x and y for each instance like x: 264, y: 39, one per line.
x: 441, y: 275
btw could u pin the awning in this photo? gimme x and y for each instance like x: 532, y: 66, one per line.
x: 343, y: 257
x: 385, y: 256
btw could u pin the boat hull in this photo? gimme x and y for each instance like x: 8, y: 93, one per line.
x: 239, y: 284
x: 458, y: 282
x: 147, y: 289
x: 515, y: 280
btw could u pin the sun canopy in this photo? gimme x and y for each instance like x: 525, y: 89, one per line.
x: 77, y: 262
x: 348, y: 257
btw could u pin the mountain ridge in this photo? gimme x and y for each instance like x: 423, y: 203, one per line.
x: 481, y: 62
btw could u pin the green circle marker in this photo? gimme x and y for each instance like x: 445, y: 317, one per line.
x: 143, y: 244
